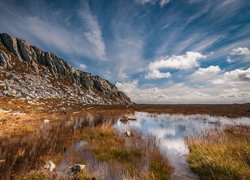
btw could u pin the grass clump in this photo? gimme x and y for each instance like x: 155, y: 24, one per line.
x: 221, y: 156
x: 36, y: 175
x: 117, y: 154
x: 107, y: 145
x: 82, y: 176
x: 135, y: 157
x: 158, y: 168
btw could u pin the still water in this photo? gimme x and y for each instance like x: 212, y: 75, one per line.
x: 171, y: 131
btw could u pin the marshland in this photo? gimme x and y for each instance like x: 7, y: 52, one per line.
x: 146, y: 145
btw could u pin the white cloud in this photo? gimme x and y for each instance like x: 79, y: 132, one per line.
x: 229, y: 59
x: 218, y: 87
x: 55, y: 36
x: 234, y: 77
x: 208, y: 71
x: 94, y: 33
x: 125, y: 52
x: 161, y: 2
x: 49, y: 29
x: 82, y: 66
x: 156, y: 74
x: 145, y: 1
x: 205, y: 76
x: 181, y: 93
x: 240, y: 51
x: 218, y: 81
x: 164, y: 2
x: 238, y: 74
x: 185, y: 61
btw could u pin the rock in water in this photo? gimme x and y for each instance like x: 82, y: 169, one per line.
x: 27, y: 72
x: 75, y: 169
x: 50, y: 166
x: 128, y: 133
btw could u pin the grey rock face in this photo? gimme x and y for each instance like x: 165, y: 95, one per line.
x: 46, y: 74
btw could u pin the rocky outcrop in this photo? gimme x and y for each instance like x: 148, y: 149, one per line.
x: 29, y: 72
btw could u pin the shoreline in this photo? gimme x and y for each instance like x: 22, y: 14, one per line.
x: 19, y: 117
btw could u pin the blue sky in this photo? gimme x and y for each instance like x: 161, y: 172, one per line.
x: 157, y: 51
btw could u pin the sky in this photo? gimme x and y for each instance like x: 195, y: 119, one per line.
x: 156, y: 51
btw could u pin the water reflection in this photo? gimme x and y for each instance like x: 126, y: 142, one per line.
x: 171, y: 130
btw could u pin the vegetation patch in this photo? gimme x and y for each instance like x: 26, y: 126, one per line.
x: 159, y: 169
x: 107, y: 145
x: 36, y: 175
x: 221, y: 156
x: 135, y: 155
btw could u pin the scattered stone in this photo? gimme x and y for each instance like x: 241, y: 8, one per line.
x: 50, y: 166
x: 63, y: 109
x: 76, y: 112
x: 75, y: 169
x: 1, y: 123
x: 131, y: 117
x: 128, y: 133
x: 126, y: 118
x: 46, y: 121
x: 214, y: 122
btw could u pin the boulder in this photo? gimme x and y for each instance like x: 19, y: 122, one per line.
x: 76, y: 168
x: 128, y: 133
x: 46, y: 121
x: 50, y: 166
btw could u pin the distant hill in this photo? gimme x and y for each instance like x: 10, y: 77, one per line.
x: 28, y: 72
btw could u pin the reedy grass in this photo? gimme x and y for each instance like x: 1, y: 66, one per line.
x: 36, y: 175
x: 224, y: 155
x: 137, y: 157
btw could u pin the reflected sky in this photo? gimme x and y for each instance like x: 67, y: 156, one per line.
x: 171, y: 131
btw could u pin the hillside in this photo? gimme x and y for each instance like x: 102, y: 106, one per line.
x: 27, y: 72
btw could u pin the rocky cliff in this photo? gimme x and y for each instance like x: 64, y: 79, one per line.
x: 28, y: 72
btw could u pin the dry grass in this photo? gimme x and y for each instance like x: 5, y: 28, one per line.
x: 36, y: 175
x: 158, y: 169
x: 109, y: 146
x: 24, y: 118
x: 222, y: 156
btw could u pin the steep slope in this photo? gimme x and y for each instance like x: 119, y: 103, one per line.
x: 28, y: 72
